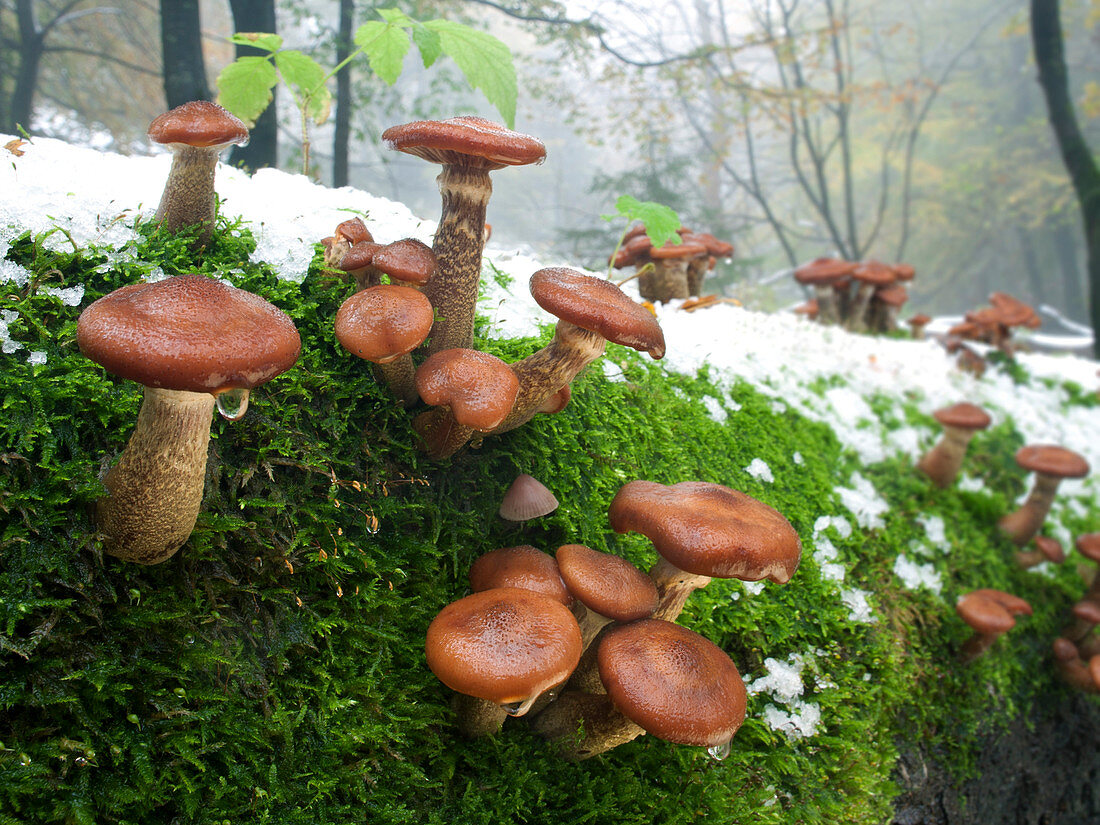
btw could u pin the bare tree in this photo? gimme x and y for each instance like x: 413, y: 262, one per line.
x: 181, y: 52
x: 1079, y: 160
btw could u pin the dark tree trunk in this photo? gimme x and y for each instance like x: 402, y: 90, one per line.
x: 1064, y: 239
x: 181, y: 50
x: 1050, y: 58
x: 342, y: 134
x: 32, y: 41
x: 263, y: 141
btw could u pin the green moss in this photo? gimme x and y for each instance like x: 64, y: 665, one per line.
x: 272, y: 671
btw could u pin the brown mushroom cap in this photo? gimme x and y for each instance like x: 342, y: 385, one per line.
x: 465, y: 141
x: 522, y: 566
x: 904, y: 272
x: 894, y: 295
x: 989, y: 611
x: 1050, y: 548
x: 963, y: 416
x: 188, y: 332
x: 382, y: 323
x: 1087, y: 611
x: 685, y: 249
x: 199, y: 123
x: 1088, y: 545
x: 919, y: 320
x: 1013, y: 312
x: 597, y: 306
x: 527, y: 498
x: 709, y: 530
x: 607, y: 584
x: 823, y: 271
x: 353, y: 231
x: 1052, y: 460
x: 720, y: 249
x: 503, y: 645
x: 672, y: 682
x: 359, y: 256
x: 479, y: 388
x: 874, y: 273
x: 406, y: 260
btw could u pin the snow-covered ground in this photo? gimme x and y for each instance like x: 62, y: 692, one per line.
x: 95, y: 196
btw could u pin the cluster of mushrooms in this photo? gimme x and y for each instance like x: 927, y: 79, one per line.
x: 587, y: 645
x: 675, y: 270
x: 862, y: 296
x: 993, y: 325
x: 990, y: 612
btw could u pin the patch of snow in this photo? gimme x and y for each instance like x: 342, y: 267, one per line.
x: 759, y: 469
x: 863, y: 502
x: 914, y: 575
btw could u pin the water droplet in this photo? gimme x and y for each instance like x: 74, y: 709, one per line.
x: 719, y: 752
x: 232, y: 403
x: 518, y: 708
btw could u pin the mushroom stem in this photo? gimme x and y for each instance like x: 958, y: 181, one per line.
x: 942, y: 462
x: 604, y: 727
x: 1021, y: 526
x: 674, y: 586
x: 188, y: 198
x: 440, y: 435
x: 155, y: 489
x: 477, y: 717
x: 668, y: 281
x: 458, y: 246
x: 857, y: 321
x: 976, y: 645
x: 827, y: 312
x: 544, y: 373
x: 400, y: 376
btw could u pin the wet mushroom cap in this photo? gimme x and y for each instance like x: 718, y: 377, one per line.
x: 990, y: 611
x: 1052, y: 460
x: 672, y: 682
x: 1088, y: 545
x: 523, y: 566
x: 199, y: 123
x: 685, y: 249
x: 406, y: 260
x: 382, y: 323
x: 527, y: 498
x: 188, y: 332
x: 465, y: 141
x: 1050, y: 548
x: 709, y: 530
x: 359, y: 256
x: 598, y: 306
x: 503, y: 645
x: 607, y: 584
x: 964, y: 416
x: 874, y: 273
x: 353, y: 231
x: 824, y: 271
x: 479, y: 388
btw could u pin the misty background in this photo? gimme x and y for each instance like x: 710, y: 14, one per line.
x: 909, y: 132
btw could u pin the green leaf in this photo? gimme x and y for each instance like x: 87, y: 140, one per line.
x: 486, y: 62
x: 244, y: 86
x: 307, y: 79
x: 428, y: 43
x: 385, y: 47
x: 661, y: 222
x: 259, y: 40
x: 396, y: 17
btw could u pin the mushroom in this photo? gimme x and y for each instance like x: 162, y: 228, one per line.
x: 1086, y: 616
x: 468, y: 148
x: 504, y: 646
x: 703, y: 531
x: 591, y: 312
x: 1073, y: 668
x: 193, y: 343
x: 700, y: 265
x: 960, y: 422
x: 917, y: 323
x: 610, y: 588
x: 527, y: 498
x: 522, y: 566
x: 886, y: 303
x: 471, y: 391
x: 661, y: 679
x: 196, y: 133
x: 383, y: 324
x: 668, y: 278
x: 822, y: 274
x: 1088, y: 545
x: 989, y: 613
x: 1045, y: 549
x: 1050, y: 464
x: 348, y: 233
x: 870, y: 275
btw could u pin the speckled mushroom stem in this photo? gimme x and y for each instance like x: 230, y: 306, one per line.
x: 440, y: 435
x: 477, y: 717
x: 544, y: 373
x: 943, y: 461
x: 155, y: 489
x: 857, y: 321
x: 583, y: 725
x: 674, y: 586
x: 1021, y: 526
x: 827, y: 311
x: 458, y: 246
x: 188, y: 198
x: 697, y: 269
x: 669, y: 279
x: 400, y: 376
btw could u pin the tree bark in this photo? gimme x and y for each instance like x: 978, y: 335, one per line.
x: 1080, y: 163
x: 262, y: 147
x: 32, y: 42
x: 181, y: 50
x: 342, y: 133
